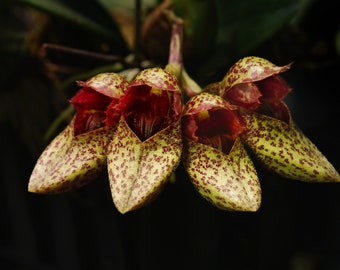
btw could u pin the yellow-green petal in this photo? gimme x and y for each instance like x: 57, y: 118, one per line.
x: 284, y: 149
x: 69, y: 161
x: 139, y: 169
x: 229, y: 182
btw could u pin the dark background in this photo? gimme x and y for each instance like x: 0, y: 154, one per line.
x: 296, y: 228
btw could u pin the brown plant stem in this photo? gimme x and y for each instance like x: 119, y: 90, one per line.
x: 105, y: 57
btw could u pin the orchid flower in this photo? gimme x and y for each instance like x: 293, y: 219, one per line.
x: 147, y: 145
x: 78, y: 154
x: 214, y: 157
x: 255, y: 86
x: 139, y: 131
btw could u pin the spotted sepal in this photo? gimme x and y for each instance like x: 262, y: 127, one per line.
x: 251, y: 69
x: 283, y: 148
x: 137, y: 169
x: 109, y: 84
x: 229, y: 182
x: 69, y: 161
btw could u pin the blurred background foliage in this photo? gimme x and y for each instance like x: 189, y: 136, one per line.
x: 298, y: 225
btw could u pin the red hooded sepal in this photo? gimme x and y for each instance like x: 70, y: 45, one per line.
x: 69, y: 161
x: 284, y: 149
x: 228, y: 181
x: 138, y: 170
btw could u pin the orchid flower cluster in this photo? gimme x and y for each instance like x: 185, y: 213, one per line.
x: 142, y: 130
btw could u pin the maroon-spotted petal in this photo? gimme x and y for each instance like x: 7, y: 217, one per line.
x: 229, y: 182
x: 283, y: 148
x: 108, y: 84
x: 251, y: 69
x: 138, y: 170
x: 70, y: 161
